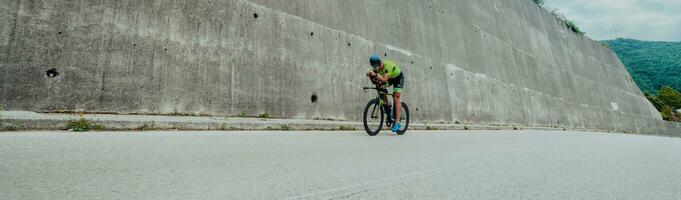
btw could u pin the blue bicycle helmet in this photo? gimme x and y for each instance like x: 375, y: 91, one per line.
x: 374, y: 60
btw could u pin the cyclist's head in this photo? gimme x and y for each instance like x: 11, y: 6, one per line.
x: 375, y: 61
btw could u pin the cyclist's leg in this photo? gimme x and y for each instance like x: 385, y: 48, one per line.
x: 398, y: 105
x: 397, y: 96
x: 385, y: 99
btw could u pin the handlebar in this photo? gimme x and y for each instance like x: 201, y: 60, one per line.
x: 379, y: 86
x: 375, y: 81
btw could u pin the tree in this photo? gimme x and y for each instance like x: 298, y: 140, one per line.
x: 659, y: 105
x: 670, y: 114
x: 651, y: 64
x: 667, y: 103
x: 670, y: 97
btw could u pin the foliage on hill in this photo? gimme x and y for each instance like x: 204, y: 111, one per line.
x: 651, y: 64
x: 667, y: 102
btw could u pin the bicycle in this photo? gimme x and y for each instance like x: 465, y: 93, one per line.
x: 377, y: 109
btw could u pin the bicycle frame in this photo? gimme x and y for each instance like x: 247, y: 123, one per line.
x: 382, y: 92
x: 380, y: 89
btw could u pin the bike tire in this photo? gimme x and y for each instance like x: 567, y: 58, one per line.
x: 372, y: 107
x: 405, y: 114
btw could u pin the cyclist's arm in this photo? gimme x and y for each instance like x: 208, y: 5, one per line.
x: 382, y: 79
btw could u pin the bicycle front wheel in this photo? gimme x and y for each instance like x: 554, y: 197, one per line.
x: 373, y: 118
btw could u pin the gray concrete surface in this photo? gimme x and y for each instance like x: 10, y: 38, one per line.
x: 338, y: 165
x: 481, y: 62
x: 22, y: 120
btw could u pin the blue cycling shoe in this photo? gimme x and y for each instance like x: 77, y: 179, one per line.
x: 396, y: 127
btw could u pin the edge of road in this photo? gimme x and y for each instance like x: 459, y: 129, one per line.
x: 24, y: 120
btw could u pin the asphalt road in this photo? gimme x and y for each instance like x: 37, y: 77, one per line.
x: 339, y: 165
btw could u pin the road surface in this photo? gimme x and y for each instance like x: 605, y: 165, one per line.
x: 338, y: 165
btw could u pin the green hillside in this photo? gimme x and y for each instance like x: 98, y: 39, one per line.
x: 651, y: 64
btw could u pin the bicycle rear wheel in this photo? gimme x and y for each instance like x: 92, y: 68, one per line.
x: 404, y: 119
x: 373, y: 118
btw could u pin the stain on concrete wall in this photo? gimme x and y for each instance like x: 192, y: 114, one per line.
x: 487, y: 62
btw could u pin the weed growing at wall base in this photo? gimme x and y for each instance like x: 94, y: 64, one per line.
x: 10, y: 127
x: 264, y: 115
x: 83, y: 125
x: 98, y: 127
x: 283, y: 127
x: 286, y: 127
x: 147, y: 126
x: 346, y: 128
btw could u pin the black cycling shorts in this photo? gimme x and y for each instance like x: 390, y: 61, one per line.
x: 397, y: 83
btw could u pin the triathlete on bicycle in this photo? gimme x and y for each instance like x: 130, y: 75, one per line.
x: 388, y: 72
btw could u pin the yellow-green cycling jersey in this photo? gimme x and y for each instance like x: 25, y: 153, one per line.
x: 390, y: 68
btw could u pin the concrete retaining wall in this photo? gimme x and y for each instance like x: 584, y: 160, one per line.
x: 483, y: 62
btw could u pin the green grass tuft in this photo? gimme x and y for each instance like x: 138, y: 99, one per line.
x: 243, y: 115
x: 264, y: 115
x: 286, y: 127
x: 11, y: 127
x: 147, y: 127
x: 83, y: 125
x: 98, y: 127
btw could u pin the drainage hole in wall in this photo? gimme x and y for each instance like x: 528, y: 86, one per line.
x: 52, y: 73
x: 349, y: 44
x: 386, y: 54
x: 59, y: 32
x: 255, y: 15
x: 314, y: 98
x: 165, y: 49
x: 311, y: 33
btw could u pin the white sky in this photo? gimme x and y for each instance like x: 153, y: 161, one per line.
x: 657, y: 20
